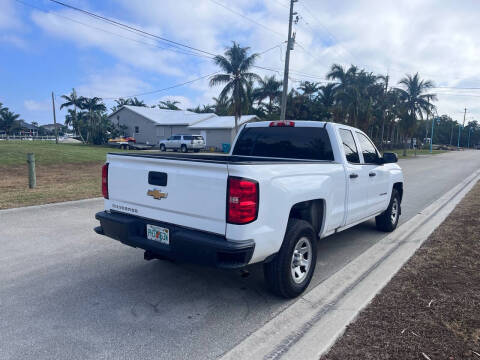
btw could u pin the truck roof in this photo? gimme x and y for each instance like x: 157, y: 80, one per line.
x: 301, y: 123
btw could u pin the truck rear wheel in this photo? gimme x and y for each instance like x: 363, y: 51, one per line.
x: 388, y: 220
x: 290, y: 272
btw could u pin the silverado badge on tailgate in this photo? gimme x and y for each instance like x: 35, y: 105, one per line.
x: 157, y: 194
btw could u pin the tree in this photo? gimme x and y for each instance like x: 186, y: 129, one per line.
x: 169, y: 105
x: 128, y: 101
x: 95, y: 108
x: 270, y: 88
x: 326, y: 98
x: 309, y: 88
x: 72, y: 100
x: 236, y: 64
x: 9, y: 121
x: 416, y: 102
x: 205, y: 109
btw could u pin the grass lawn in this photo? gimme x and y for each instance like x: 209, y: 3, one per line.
x: 411, y: 153
x: 64, y: 172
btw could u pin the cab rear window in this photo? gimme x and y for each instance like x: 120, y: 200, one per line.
x: 306, y: 143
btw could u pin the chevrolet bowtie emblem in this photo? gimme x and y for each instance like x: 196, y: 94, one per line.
x: 157, y: 194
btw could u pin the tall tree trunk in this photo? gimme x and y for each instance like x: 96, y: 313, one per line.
x: 405, y: 145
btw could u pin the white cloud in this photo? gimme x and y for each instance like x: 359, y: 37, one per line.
x: 112, y: 83
x: 33, y: 105
x: 8, y: 16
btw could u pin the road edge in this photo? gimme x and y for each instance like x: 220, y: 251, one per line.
x: 312, y: 324
x: 42, y: 206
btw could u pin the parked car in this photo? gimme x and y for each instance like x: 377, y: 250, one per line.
x: 283, y: 186
x: 184, y: 143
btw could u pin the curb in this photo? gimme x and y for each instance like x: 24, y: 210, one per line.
x: 66, y: 203
x: 310, y: 326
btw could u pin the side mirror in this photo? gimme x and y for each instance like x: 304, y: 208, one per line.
x: 389, y: 158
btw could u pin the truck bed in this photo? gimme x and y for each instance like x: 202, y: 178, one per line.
x: 220, y: 159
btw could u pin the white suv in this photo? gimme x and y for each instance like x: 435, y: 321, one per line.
x: 183, y: 143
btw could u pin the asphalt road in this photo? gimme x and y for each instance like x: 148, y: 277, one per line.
x: 66, y: 292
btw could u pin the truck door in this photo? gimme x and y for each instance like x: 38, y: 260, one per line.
x: 356, y: 178
x: 378, y: 175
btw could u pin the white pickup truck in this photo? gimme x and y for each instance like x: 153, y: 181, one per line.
x: 284, y: 185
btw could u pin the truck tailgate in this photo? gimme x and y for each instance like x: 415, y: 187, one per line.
x: 194, y: 194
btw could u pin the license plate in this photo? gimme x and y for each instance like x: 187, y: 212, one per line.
x: 159, y: 234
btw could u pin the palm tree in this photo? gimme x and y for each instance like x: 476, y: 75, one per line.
x: 269, y: 88
x: 95, y: 107
x: 169, y: 105
x: 415, y: 101
x: 223, y: 106
x: 236, y: 64
x: 75, y: 101
x: 326, y: 98
x: 10, y: 121
x: 309, y: 88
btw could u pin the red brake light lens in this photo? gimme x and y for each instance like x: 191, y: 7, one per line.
x: 282, y: 123
x: 105, y: 181
x: 242, y: 200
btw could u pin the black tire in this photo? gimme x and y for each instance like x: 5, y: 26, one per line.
x: 278, y: 272
x: 183, y: 149
x: 388, y: 220
x: 162, y: 147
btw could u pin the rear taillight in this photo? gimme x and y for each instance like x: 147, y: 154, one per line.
x: 242, y: 200
x: 105, y: 181
x: 282, y: 123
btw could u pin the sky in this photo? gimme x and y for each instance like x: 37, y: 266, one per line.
x: 46, y: 47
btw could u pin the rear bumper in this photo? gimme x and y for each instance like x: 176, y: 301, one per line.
x: 185, y: 244
x: 196, y: 146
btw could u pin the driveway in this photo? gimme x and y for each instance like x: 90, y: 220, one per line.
x: 66, y: 292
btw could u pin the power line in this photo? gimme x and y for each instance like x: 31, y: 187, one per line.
x: 164, y: 89
x: 174, y: 49
x: 236, y: 12
x: 117, y: 23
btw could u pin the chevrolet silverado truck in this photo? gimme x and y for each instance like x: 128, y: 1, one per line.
x: 283, y: 186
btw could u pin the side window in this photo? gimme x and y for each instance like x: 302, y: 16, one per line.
x: 349, y: 146
x: 369, y: 152
x: 137, y: 129
x: 176, y: 137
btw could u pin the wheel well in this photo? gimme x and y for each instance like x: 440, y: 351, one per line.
x: 311, y: 211
x: 399, y: 187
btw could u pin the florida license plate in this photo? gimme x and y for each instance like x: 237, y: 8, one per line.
x: 159, y: 234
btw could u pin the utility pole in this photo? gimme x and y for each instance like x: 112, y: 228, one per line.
x: 460, y: 128
x: 54, y: 119
x: 290, y: 43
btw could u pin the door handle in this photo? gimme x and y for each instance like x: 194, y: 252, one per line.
x: 372, y: 174
x: 353, y: 176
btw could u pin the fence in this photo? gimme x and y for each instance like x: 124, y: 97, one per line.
x: 26, y: 137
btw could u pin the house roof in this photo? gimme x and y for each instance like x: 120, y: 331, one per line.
x: 222, y: 122
x: 25, y: 125
x: 167, y: 117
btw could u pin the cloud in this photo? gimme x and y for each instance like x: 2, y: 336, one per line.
x: 9, y: 18
x: 33, y: 105
x: 113, y: 83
